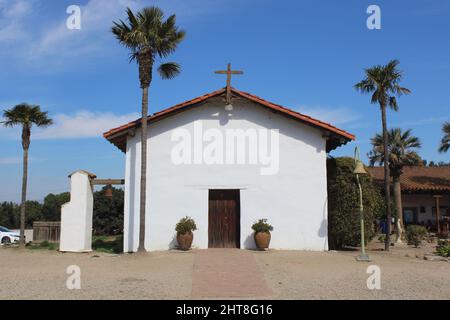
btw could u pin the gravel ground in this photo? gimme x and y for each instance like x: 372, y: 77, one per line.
x: 40, y: 274
x: 313, y: 275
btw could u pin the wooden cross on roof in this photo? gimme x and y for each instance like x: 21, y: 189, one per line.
x: 229, y: 72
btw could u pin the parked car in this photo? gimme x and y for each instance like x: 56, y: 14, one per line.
x: 7, y: 236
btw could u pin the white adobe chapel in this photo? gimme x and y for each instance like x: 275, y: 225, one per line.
x: 227, y: 166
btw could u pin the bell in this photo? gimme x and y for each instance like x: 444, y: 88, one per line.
x: 109, y: 191
x: 359, y: 168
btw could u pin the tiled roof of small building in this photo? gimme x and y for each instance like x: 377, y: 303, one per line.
x: 419, y: 178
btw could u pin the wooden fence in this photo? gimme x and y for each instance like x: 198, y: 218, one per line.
x: 46, y: 231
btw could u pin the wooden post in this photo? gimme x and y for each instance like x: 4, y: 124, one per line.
x: 437, y: 197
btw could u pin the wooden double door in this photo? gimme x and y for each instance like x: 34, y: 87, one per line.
x: 224, y: 219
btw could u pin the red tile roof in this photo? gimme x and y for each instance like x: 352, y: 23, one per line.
x: 117, y: 136
x: 418, y: 179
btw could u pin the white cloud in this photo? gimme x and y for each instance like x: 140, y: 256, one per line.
x: 421, y: 122
x: 335, y: 116
x: 12, y: 15
x: 96, y: 20
x: 10, y: 160
x: 83, y: 124
x: 17, y: 160
x: 17, y: 8
x: 51, y: 41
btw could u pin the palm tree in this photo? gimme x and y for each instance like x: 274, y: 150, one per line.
x: 402, y: 153
x: 445, y: 142
x: 148, y: 37
x: 383, y: 83
x: 25, y: 115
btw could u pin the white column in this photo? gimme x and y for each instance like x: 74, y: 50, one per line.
x: 76, y: 215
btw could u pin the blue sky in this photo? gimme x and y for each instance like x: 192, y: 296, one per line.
x: 305, y: 55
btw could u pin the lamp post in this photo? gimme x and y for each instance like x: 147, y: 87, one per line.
x: 359, y: 169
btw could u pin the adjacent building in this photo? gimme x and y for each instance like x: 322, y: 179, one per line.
x: 425, y: 195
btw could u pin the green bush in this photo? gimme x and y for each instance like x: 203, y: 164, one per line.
x: 382, y: 238
x: 343, y: 204
x: 415, y: 234
x: 185, y: 225
x: 108, y: 245
x: 262, y: 226
x: 44, y: 245
x: 443, y: 248
x: 108, y: 212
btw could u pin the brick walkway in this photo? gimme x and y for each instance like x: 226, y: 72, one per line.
x: 227, y: 273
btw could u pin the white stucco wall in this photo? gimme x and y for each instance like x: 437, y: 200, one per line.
x: 76, y: 215
x: 294, y: 200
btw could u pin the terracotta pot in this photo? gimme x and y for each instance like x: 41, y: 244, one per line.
x: 185, y: 240
x: 262, y: 240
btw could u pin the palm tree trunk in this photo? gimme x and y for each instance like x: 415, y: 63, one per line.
x: 24, y: 197
x: 398, y: 208
x: 387, y: 188
x: 143, y: 189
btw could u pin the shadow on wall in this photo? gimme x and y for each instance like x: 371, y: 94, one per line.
x: 224, y: 117
x: 131, y: 200
x: 323, y: 230
x: 174, y: 243
x: 249, y: 242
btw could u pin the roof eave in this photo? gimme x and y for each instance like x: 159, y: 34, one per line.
x: 335, y: 136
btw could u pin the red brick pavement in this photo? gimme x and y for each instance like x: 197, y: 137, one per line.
x: 227, y: 273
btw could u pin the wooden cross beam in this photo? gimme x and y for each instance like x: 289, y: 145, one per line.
x: 229, y: 72
x: 97, y: 182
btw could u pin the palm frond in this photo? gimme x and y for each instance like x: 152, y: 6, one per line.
x: 169, y: 70
x: 149, y: 36
x: 445, y: 141
x: 26, y: 115
x: 402, y: 148
x: 383, y: 83
x: 393, y: 103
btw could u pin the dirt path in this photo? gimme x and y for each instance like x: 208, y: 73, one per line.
x: 227, y: 273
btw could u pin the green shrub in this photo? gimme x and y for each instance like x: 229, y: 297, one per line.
x: 108, y: 212
x: 108, y: 245
x: 415, y: 234
x: 343, y: 204
x: 262, y: 226
x: 443, y: 248
x: 42, y: 245
x: 185, y: 225
x: 382, y: 238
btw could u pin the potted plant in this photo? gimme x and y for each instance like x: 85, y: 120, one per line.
x: 184, y: 230
x: 262, y: 233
